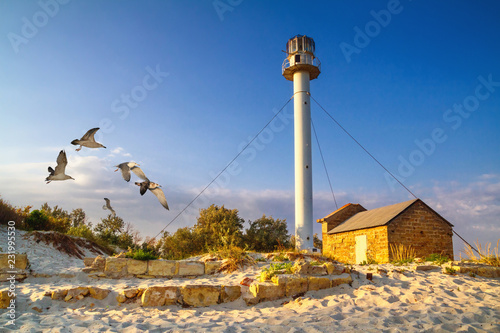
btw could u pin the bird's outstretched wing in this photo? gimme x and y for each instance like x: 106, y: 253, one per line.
x: 143, y: 186
x: 108, y: 206
x: 124, y: 168
x: 90, y: 134
x: 62, y: 161
x: 51, y: 171
x: 161, y: 196
x: 139, y: 173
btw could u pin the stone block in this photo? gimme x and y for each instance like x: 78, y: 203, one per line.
x: 121, y: 298
x: 159, y: 296
x: 230, y: 293
x: 98, y: 293
x: 20, y: 262
x: 426, y: 267
x: 267, y: 291
x: 161, y: 268
x: 5, y: 299
x: 318, y: 270
x: 295, y: 285
x: 191, y: 268
x: 137, y: 267
x: 75, y: 293
x: 301, y: 267
x: 116, y: 267
x: 341, y: 279
x: 131, y: 292
x: 317, y: 283
x: 59, y: 294
x: 211, y: 267
x: 88, y: 261
x: 333, y: 269
x: 99, y: 263
x: 200, y: 295
x: 7, y: 276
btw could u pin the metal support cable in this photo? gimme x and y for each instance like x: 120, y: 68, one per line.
x: 324, y: 164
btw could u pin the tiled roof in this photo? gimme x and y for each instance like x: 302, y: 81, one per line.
x: 372, y: 218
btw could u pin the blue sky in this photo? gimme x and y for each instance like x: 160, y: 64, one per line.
x: 181, y: 86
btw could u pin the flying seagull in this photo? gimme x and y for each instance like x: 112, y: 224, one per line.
x: 155, y: 189
x: 125, y: 167
x: 58, y: 173
x: 88, y: 140
x: 108, y: 206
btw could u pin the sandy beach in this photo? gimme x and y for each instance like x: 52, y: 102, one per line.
x: 397, y: 299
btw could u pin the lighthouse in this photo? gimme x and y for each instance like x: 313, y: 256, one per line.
x: 301, y: 66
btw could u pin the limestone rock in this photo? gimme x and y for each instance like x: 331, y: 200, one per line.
x: 99, y: 263
x: 211, y: 266
x: 247, y: 281
x: 333, y: 269
x: 5, y: 299
x: 88, y: 261
x: 318, y: 270
x: 267, y: 291
x: 230, y: 293
x: 76, y: 293
x: 317, y: 283
x: 131, y: 292
x: 59, y: 294
x: 116, y: 267
x: 159, y: 296
x: 99, y: 293
x: 121, y: 298
x: 137, y: 267
x: 161, y: 268
x: 295, y: 285
x: 191, y: 268
x: 344, y: 278
x: 426, y: 267
x: 301, y: 267
x: 200, y: 295
x: 20, y: 262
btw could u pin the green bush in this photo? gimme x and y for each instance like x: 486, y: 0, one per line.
x: 273, y: 269
x: 37, y: 220
x: 82, y: 230
x: 437, y: 258
x: 140, y: 254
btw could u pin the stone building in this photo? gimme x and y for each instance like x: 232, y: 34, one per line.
x: 352, y: 234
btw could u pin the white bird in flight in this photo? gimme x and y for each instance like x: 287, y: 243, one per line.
x: 125, y: 167
x: 155, y: 189
x: 88, y: 140
x: 58, y: 173
x: 108, y: 206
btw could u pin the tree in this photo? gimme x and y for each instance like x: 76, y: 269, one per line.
x: 218, y: 226
x: 77, y: 217
x: 110, y: 228
x: 182, y: 244
x: 59, y: 219
x: 266, y: 233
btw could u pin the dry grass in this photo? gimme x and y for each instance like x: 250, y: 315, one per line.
x: 487, y: 255
x: 11, y: 213
x: 234, y: 258
x: 401, y: 253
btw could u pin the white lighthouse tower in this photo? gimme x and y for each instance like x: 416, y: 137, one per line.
x: 301, y: 66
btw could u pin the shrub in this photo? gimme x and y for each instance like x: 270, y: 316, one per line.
x: 273, y: 269
x: 450, y: 271
x: 265, y: 234
x: 184, y: 243
x: 37, y: 220
x: 280, y: 257
x: 82, y: 230
x: 140, y: 254
x: 437, y: 258
x: 10, y: 213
